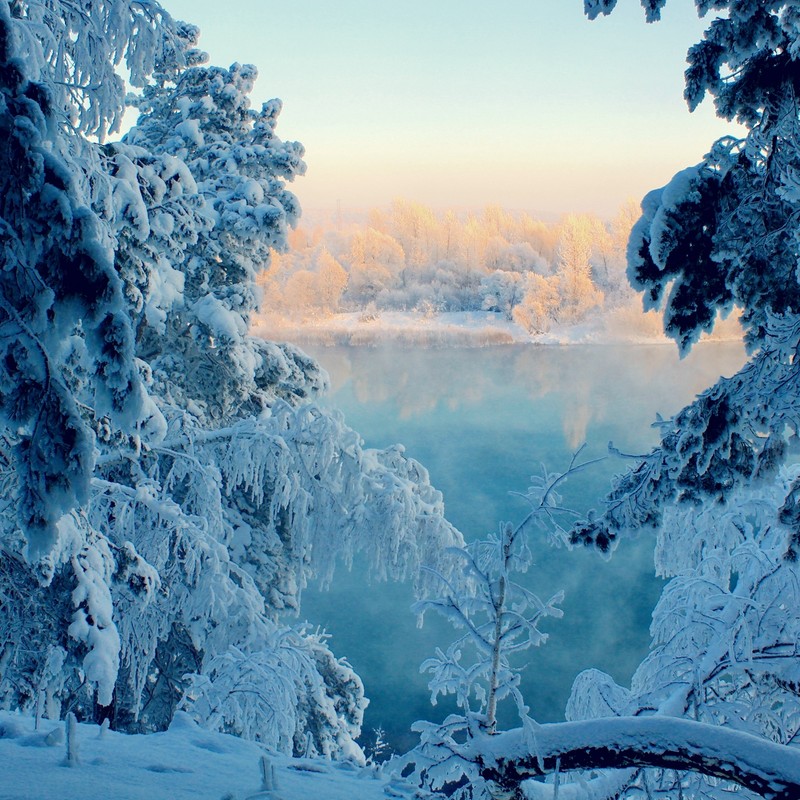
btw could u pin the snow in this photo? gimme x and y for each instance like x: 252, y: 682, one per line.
x: 164, y: 291
x: 181, y: 763
x: 190, y: 130
x: 654, y: 740
x: 470, y: 328
x: 223, y: 322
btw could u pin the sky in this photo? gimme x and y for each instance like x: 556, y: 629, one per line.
x: 465, y: 103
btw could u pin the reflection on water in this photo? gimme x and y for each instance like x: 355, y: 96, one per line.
x: 482, y: 421
x: 592, y: 385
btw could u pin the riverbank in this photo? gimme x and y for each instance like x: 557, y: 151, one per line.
x: 469, y: 329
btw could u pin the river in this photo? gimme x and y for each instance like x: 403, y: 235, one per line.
x: 483, y: 420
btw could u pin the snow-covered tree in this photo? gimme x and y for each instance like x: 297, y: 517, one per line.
x: 376, y: 261
x: 500, y: 619
x: 502, y: 291
x: 539, y: 307
x: 58, y: 257
x: 169, y: 487
x: 202, y: 117
x: 331, y: 281
x: 415, y: 227
x: 610, y: 268
x: 576, y: 246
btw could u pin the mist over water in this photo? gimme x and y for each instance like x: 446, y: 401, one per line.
x: 482, y: 421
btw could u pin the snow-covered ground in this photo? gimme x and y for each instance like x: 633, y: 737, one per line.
x: 469, y: 328
x: 183, y: 763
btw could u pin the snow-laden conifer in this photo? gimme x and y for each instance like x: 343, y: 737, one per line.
x: 169, y: 487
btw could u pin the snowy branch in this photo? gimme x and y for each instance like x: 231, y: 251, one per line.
x: 771, y: 770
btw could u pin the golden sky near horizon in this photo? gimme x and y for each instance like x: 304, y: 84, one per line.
x: 459, y: 103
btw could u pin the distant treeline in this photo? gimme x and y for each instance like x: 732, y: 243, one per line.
x: 410, y: 258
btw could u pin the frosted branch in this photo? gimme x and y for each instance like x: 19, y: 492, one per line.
x: 771, y: 770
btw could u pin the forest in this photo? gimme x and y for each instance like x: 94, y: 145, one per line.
x: 170, y: 484
x: 410, y: 258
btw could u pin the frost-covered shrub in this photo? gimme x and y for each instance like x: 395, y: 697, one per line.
x: 497, y: 619
x: 502, y: 291
x: 291, y: 695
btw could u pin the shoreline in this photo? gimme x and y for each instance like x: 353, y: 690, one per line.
x: 471, y: 329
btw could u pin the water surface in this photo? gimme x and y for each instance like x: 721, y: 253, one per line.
x: 483, y: 421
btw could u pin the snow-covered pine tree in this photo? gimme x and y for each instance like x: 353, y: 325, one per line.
x: 202, y: 116
x: 177, y: 487
x: 720, y: 492
x: 67, y: 338
x: 58, y: 274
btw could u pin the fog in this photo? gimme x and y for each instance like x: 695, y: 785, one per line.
x: 482, y: 421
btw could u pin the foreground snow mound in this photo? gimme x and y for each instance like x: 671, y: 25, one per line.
x: 182, y: 762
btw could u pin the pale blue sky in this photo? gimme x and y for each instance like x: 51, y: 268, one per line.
x: 463, y: 103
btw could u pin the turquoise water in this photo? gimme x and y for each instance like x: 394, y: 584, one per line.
x: 482, y: 421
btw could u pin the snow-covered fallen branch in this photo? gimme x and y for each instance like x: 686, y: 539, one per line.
x: 769, y: 769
